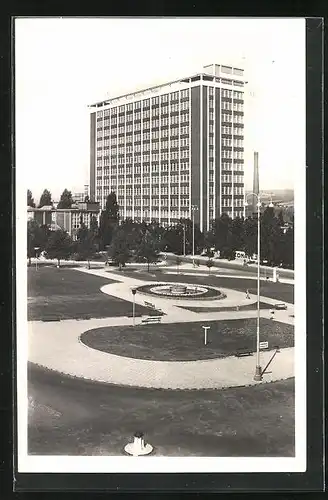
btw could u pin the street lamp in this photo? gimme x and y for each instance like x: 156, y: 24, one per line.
x: 258, y: 369
x: 134, y: 291
x: 36, y: 259
x: 194, y: 208
x: 184, y: 239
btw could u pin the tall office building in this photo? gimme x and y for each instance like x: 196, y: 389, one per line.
x: 170, y: 147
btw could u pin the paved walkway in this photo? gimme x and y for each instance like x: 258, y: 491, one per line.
x: 57, y: 346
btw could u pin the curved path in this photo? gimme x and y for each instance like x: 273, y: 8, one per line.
x: 57, y: 346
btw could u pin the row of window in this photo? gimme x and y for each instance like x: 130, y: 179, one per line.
x: 181, y: 120
x: 145, y: 158
x: 154, y: 190
x: 126, y: 176
x: 173, y: 155
x: 165, y: 179
x: 232, y: 118
x: 174, y: 165
x: 238, y: 143
x: 229, y: 202
x: 173, y: 191
x: 166, y: 98
x: 106, y: 140
x: 165, y: 167
x: 129, y: 129
x: 228, y: 166
x: 227, y: 190
x: 236, y: 106
x: 239, y: 179
x: 227, y: 153
x: 145, y: 103
x: 232, y: 94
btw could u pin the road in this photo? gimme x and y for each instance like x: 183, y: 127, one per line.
x: 251, y: 269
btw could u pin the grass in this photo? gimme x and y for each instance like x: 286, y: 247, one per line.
x: 73, y: 417
x: 185, y: 341
x: 282, y: 292
x: 67, y: 294
x: 246, y: 307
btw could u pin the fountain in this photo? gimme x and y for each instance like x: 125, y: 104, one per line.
x: 138, y: 447
x: 178, y: 290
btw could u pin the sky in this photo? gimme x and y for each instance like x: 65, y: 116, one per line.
x: 64, y: 64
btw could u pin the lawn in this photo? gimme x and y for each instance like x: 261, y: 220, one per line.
x: 73, y: 417
x: 66, y: 294
x: 185, y: 341
x: 282, y: 292
x: 246, y: 307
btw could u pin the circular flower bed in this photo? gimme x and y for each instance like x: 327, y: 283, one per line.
x: 181, y: 291
x: 185, y: 341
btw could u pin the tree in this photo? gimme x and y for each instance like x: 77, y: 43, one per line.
x: 109, y: 219
x: 148, y: 250
x: 85, y: 243
x: 209, y: 264
x: 37, y: 237
x: 66, y: 199
x: 94, y: 228
x: 221, y: 229
x: 280, y: 218
x: 172, y: 240
x: 270, y: 233
x: 235, y: 238
x: 59, y: 245
x: 30, y: 200
x: 45, y: 199
x: 32, y: 237
x: 288, y: 250
x: 172, y: 237
x: 250, y: 236
x: 119, y: 250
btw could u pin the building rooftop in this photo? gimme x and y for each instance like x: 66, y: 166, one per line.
x: 211, y: 72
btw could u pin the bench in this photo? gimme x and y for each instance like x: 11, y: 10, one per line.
x: 280, y: 305
x: 149, y: 304
x: 243, y: 351
x: 152, y: 319
x: 152, y: 306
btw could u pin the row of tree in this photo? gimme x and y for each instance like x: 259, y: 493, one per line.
x: 128, y: 240
x: 66, y: 199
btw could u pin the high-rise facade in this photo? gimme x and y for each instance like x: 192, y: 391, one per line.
x: 173, y: 146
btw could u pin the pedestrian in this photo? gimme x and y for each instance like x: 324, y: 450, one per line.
x: 247, y: 294
x: 271, y: 314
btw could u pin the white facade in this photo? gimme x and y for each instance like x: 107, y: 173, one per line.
x: 143, y: 149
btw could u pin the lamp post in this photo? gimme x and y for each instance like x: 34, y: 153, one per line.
x: 258, y: 369
x: 184, y: 240
x: 36, y: 259
x: 194, y: 208
x: 134, y: 291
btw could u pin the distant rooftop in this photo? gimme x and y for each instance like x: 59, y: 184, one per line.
x: 211, y: 71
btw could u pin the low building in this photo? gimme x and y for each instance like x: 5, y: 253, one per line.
x: 81, y: 196
x: 68, y: 219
